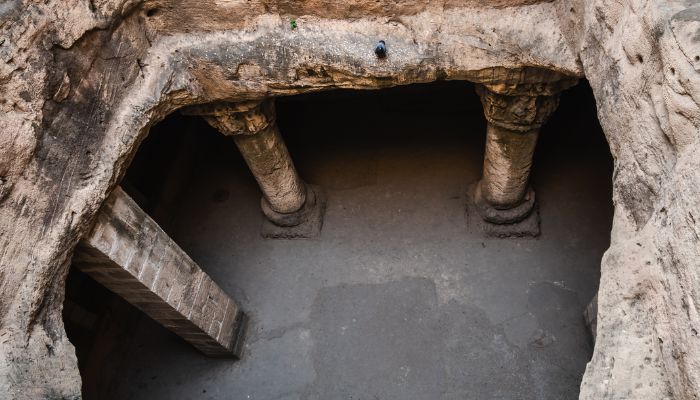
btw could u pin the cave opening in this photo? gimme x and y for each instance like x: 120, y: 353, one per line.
x: 401, y: 295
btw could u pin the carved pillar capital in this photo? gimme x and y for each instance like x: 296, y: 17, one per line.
x: 231, y: 119
x: 517, y: 112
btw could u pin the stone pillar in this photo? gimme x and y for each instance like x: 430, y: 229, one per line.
x: 503, y: 195
x: 294, y: 208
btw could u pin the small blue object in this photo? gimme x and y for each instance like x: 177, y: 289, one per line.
x: 380, y: 49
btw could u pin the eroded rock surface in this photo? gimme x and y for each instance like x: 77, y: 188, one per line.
x: 83, y: 80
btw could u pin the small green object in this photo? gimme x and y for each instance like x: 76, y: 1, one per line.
x: 293, y: 23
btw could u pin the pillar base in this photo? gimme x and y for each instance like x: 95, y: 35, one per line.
x: 480, y: 215
x: 302, y: 224
x: 503, y: 216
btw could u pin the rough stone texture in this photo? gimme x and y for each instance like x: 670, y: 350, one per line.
x: 82, y: 81
x: 642, y: 63
x: 128, y: 253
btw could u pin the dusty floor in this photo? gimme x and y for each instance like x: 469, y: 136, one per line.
x: 401, y: 297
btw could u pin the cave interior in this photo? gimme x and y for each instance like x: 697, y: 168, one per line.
x: 402, y: 295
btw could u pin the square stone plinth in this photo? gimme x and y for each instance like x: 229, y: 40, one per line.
x: 529, y: 227
x: 311, y: 226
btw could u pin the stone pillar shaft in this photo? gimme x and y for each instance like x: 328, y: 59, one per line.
x: 268, y: 159
x: 503, y: 195
x: 253, y: 128
x: 507, y: 163
x: 293, y: 209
